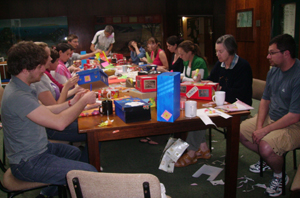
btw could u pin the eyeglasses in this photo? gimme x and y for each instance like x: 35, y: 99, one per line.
x: 272, y: 53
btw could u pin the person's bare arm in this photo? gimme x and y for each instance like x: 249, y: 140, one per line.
x: 263, y: 110
x: 46, y: 98
x: 44, y: 115
x: 92, y: 48
x: 164, y: 60
x: 85, y: 56
x: 285, y: 121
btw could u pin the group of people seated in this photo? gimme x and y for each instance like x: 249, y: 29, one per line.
x: 43, y: 101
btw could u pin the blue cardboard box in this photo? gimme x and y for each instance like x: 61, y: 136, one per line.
x: 92, y: 78
x: 168, y: 96
x: 132, y: 110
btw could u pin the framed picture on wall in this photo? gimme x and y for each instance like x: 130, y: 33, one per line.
x: 244, y: 19
x: 244, y: 25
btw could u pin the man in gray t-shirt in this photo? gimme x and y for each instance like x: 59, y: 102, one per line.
x: 275, y: 129
x: 31, y: 156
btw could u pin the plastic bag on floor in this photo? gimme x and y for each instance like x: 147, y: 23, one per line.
x: 172, y: 152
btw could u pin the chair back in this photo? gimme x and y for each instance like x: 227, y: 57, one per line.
x: 112, y: 185
x: 258, y: 87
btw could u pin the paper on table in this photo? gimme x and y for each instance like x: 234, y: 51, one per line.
x: 205, y: 119
x: 236, y: 106
x: 213, y: 112
x: 204, y: 114
x: 104, y: 64
x: 212, y: 171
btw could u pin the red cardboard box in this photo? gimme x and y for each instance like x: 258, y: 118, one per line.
x: 202, y: 91
x: 146, y: 83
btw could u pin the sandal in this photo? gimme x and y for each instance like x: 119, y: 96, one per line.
x: 148, y: 140
x: 186, y: 160
x: 203, y: 155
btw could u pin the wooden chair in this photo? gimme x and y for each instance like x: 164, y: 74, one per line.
x: 112, y: 185
x: 13, y: 186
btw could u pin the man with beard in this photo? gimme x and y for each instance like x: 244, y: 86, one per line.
x: 275, y: 129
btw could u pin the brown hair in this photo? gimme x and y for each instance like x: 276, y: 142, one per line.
x: 25, y: 55
x: 71, y: 37
x: 54, y: 55
x: 130, y: 44
x: 63, y: 47
x: 154, y: 41
x: 194, y: 48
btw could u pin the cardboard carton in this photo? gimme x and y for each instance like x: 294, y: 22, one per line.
x: 168, y: 96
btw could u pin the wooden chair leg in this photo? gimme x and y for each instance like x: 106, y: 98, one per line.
x: 3, y: 154
x: 261, y: 172
x: 283, y: 174
x: 209, y: 136
x: 295, y: 159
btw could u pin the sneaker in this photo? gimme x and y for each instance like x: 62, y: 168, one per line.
x: 255, y: 168
x: 275, y: 187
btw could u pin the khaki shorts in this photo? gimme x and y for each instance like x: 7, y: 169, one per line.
x: 281, y: 140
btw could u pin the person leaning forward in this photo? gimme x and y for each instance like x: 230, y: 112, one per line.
x: 275, y: 129
x: 103, y: 40
x: 31, y: 156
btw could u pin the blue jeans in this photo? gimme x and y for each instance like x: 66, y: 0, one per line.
x: 70, y: 134
x: 51, y: 166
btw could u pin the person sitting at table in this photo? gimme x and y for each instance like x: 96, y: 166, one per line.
x: 176, y: 64
x: 275, y: 129
x: 234, y: 76
x: 31, y: 156
x: 62, y: 74
x: 158, y: 56
x: 193, y: 59
x: 48, y: 94
x: 136, y: 52
x: 73, y: 40
x: 104, y: 40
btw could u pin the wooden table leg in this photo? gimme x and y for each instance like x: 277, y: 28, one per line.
x: 231, y: 160
x: 93, y: 149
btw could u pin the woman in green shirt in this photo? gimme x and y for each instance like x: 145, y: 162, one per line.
x: 195, y: 65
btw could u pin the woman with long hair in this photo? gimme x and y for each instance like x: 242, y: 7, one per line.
x: 158, y: 56
x: 176, y: 64
x: 62, y: 74
x: 193, y: 60
x: 136, y: 52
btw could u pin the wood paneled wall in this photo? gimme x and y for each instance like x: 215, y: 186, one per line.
x: 255, y: 51
x: 81, y: 13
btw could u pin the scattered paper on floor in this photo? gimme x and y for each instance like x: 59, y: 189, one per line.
x: 212, y: 171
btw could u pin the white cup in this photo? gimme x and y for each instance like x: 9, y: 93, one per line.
x: 124, y: 67
x: 190, y: 109
x: 219, y: 98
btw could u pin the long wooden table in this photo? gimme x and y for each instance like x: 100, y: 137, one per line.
x: 120, y: 130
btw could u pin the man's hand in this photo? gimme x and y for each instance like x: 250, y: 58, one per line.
x: 259, y: 134
x: 98, y: 51
x: 89, y: 97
